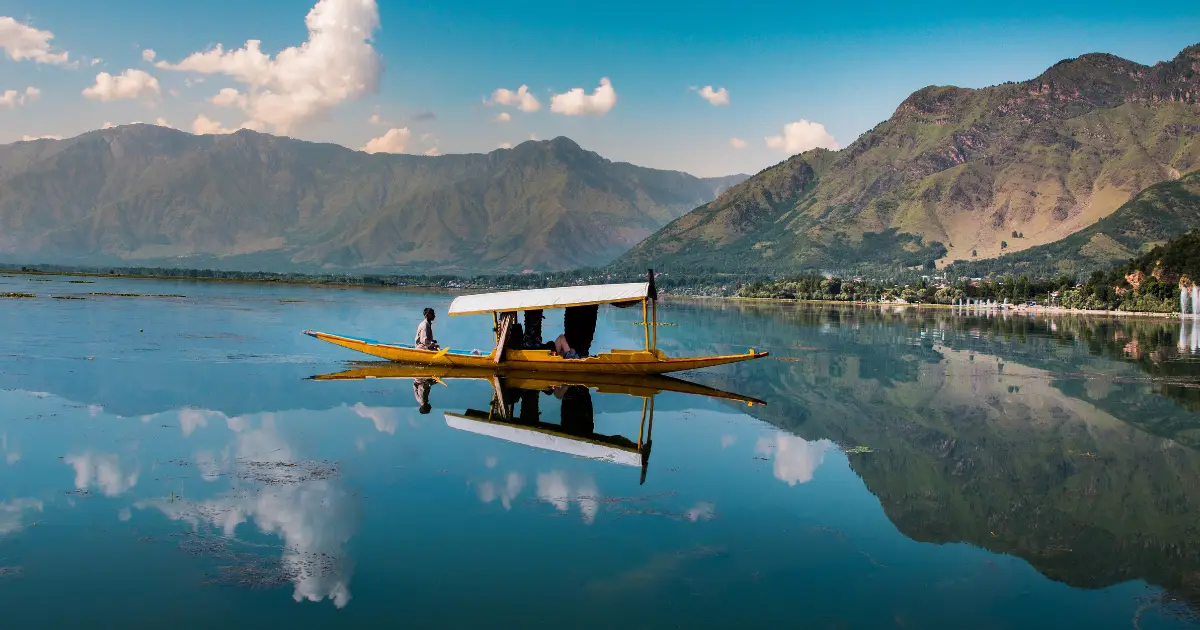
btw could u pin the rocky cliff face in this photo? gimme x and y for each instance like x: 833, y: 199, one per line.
x: 955, y: 172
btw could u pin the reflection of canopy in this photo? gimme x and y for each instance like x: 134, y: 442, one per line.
x: 539, y: 437
x: 556, y: 297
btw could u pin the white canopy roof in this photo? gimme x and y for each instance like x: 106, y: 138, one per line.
x: 556, y: 297
x: 550, y: 442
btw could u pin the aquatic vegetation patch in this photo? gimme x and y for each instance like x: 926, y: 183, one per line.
x: 147, y: 295
x: 17, y: 295
x: 857, y: 449
x: 68, y: 297
x: 81, y: 281
x: 11, y: 572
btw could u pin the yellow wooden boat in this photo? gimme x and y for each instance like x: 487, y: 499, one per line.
x: 512, y: 353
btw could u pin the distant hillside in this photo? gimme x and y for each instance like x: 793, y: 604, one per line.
x: 1160, y: 213
x: 148, y: 194
x: 956, y: 171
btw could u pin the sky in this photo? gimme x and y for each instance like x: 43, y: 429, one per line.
x: 699, y: 86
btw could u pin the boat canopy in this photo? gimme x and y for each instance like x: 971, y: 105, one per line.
x: 555, y: 297
x: 543, y: 439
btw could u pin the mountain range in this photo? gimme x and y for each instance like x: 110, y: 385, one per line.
x: 146, y: 193
x: 957, y: 174
x: 1084, y: 164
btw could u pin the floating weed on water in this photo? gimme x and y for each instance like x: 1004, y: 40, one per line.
x: 290, y: 301
x: 857, y: 449
x: 657, y: 324
x: 789, y: 359
x: 11, y: 572
x: 148, y: 295
x: 17, y: 295
x: 81, y: 281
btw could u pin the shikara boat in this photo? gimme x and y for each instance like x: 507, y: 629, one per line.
x: 525, y: 351
x: 514, y: 414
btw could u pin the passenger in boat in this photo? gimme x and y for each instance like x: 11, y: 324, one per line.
x: 563, y: 349
x: 425, y: 340
x: 421, y: 388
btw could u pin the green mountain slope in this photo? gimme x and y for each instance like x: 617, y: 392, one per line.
x: 1156, y: 215
x: 956, y: 171
x: 147, y: 193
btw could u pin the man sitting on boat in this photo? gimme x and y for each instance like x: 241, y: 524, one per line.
x: 425, y: 340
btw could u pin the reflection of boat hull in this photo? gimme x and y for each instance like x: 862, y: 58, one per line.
x: 612, y: 362
x: 632, y: 384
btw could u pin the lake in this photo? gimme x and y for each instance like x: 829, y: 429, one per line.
x: 170, y: 462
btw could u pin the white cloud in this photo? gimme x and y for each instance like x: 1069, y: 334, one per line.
x: 130, y: 84
x: 737, y: 143
x: 162, y: 122
x: 148, y: 54
x: 228, y: 97
x: 391, y: 142
x: 715, y: 98
x: 489, y: 491
x: 13, y: 98
x: 432, y: 151
x: 383, y: 418
x: 554, y: 488
x: 11, y: 513
x: 505, y: 145
x: 189, y: 82
x: 192, y: 419
x: 103, y: 471
x: 801, y: 136
x: 302, y: 83
x: 21, y: 41
x: 376, y: 119
x: 702, y: 511
x: 728, y: 440
x: 521, y: 99
x: 796, y: 459
x: 576, y: 102
x: 203, y: 125
x: 45, y: 137
x: 503, y: 117
x: 107, y: 125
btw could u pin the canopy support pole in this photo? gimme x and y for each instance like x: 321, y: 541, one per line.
x: 505, y: 330
x: 646, y: 323
x: 654, y: 324
x: 642, y: 426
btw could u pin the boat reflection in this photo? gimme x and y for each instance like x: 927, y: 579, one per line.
x: 515, y: 415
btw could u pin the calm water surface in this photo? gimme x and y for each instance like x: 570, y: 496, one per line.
x: 168, y: 463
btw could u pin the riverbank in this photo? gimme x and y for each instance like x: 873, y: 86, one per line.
x: 479, y: 287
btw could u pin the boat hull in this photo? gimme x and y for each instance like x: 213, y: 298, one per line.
x: 613, y: 362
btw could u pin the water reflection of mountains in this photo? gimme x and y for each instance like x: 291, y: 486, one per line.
x: 1052, y: 440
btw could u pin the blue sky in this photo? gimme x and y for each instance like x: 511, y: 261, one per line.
x: 838, y: 67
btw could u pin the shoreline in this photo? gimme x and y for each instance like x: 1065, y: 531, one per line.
x: 1022, y: 310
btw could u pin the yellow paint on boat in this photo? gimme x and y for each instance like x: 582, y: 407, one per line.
x: 613, y: 362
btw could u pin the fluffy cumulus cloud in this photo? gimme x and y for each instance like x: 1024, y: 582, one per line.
x: 203, y: 125
x: 302, y: 83
x: 801, y: 136
x: 737, y: 143
x: 21, y: 42
x: 795, y: 459
x: 503, y: 117
x: 577, y: 102
x: 521, y: 99
x: 104, y: 471
x: 148, y: 54
x: 558, y: 490
x: 13, y: 98
x: 131, y: 84
x: 393, y: 141
x: 715, y: 98
x: 228, y: 97
x: 505, y: 145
